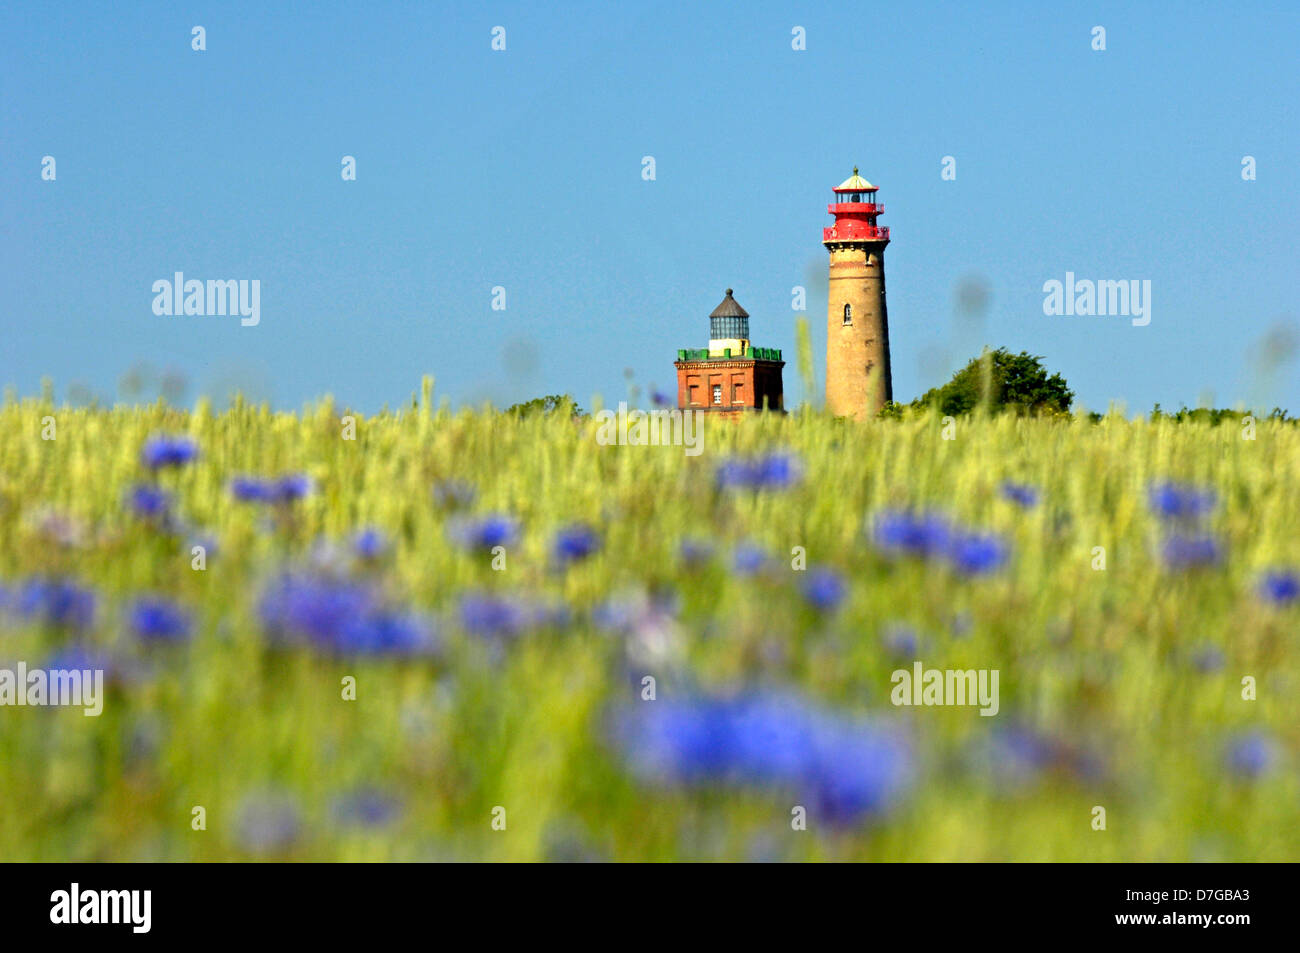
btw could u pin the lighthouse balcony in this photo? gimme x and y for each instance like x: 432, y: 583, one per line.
x: 855, y: 208
x: 748, y: 352
x: 853, y: 231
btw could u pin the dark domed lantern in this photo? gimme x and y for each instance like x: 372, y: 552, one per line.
x: 729, y: 322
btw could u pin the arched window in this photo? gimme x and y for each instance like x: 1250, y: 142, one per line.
x: 848, y: 314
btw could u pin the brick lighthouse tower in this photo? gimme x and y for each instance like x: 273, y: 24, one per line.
x: 857, y: 328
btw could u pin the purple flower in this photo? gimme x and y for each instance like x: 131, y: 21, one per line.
x: 167, y: 451
x: 343, y: 617
x: 248, y: 489
x: 575, y: 543
x: 695, y: 552
x: 928, y: 536
x: 485, y: 532
x: 774, y: 472
x: 1280, y: 586
x: 1177, y: 501
x: 384, y: 632
x: 492, y: 616
x: 1020, y: 494
x: 370, y: 544
x: 149, y: 502
x: 209, y: 543
x: 823, y: 589
x: 1251, y: 756
x: 660, y: 399
x: 1016, y: 755
x: 748, y: 559
x: 976, y: 554
x: 1190, y: 552
x: 901, y: 641
x: 315, y: 610
x: 81, y: 658
x: 283, y: 490
x: 904, y: 533
x: 155, y: 620
x: 846, y: 769
x: 290, y: 488
x: 57, y: 602
x: 367, y: 807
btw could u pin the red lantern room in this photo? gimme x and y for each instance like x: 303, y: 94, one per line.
x: 855, y: 209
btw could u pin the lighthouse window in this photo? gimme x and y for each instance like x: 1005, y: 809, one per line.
x: 848, y: 314
x: 717, y: 393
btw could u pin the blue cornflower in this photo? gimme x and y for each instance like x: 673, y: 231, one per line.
x: 860, y: 773
x: 823, y: 589
x: 748, y: 559
x: 910, y: 534
x: 575, y: 543
x: 1020, y: 494
x: 1017, y: 754
x: 370, y: 544
x: 305, y: 608
x: 491, y: 616
x: 81, y: 658
x: 976, y: 554
x: 167, y: 451
x: 485, y: 532
x: 846, y: 768
x: 367, y: 807
x: 1189, y: 552
x: 156, y: 620
x: 776, y: 471
x: 149, y: 502
x: 342, y: 617
x: 386, y: 633
x: 57, y: 602
x: 211, y: 546
x: 1178, y: 501
x: 695, y: 552
x: 290, y: 488
x: 1280, y: 586
x: 487, y: 615
x: 660, y: 399
x: 1251, y: 756
x: 286, y: 489
x: 901, y: 641
x: 248, y: 489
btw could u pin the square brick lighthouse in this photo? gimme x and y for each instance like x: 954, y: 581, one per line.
x: 730, y: 376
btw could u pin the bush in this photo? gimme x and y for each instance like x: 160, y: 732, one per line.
x: 1016, y: 382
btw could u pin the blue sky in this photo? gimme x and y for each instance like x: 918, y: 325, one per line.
x: 523, y: 169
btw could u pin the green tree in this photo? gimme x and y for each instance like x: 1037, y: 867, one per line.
x: 1016, y: 382
x: 546, y: 405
